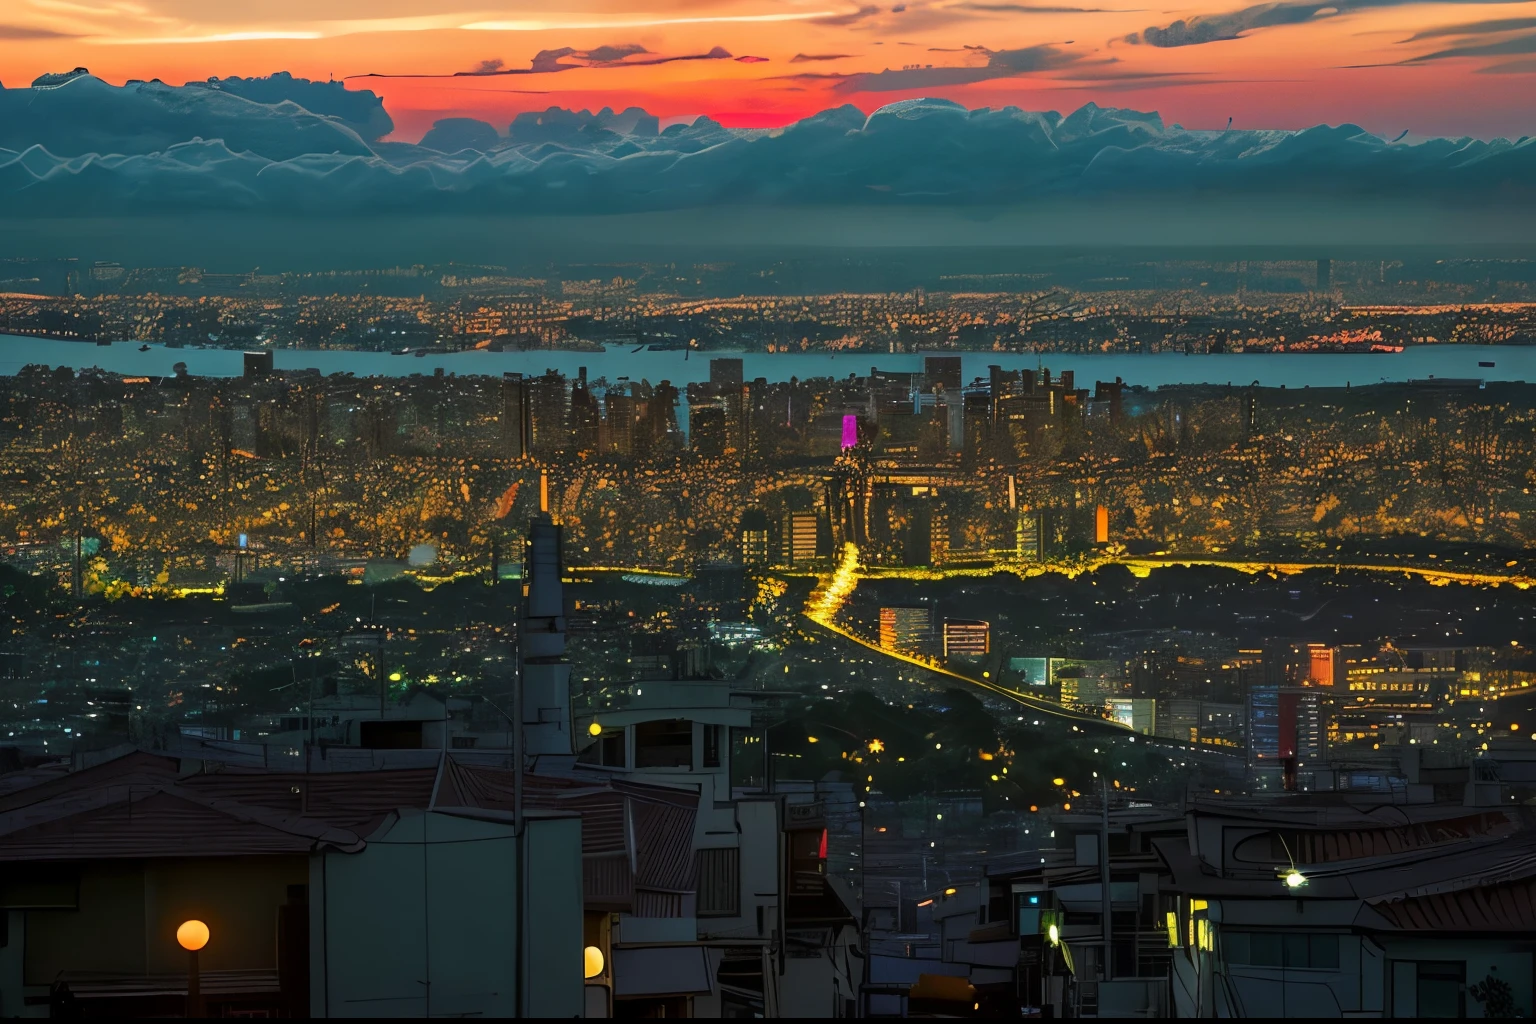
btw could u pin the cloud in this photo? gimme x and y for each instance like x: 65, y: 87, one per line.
x: 1514, y: 46
x: 1000, y: 64
x: 1006, y: 8
x: 1513, y: 67
x: 1218, y: 27
x: 570, y: 58
x: 1474, y: 28
x: 548, y: 25
x: 808, y: 58
x: 1215, y: 28
x: 88, y: 149
x: 256, y: 116
x: 863, y: 13
x: 25, y: 32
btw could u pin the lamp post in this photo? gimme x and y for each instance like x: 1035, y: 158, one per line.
x: 192, y: 936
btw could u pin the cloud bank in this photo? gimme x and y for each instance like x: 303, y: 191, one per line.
x: 90, y: 149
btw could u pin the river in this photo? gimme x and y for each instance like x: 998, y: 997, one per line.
x: 1293, y: 370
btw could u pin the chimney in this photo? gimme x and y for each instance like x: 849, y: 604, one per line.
x: 546, y: 703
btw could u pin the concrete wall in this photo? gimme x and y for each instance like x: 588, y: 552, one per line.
x: 424, y: 921
x: 128, y: 914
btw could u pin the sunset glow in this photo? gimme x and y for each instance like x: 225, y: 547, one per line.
x: 1428, y: 68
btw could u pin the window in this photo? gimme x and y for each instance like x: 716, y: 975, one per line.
x: 719, y: 885
x: 1298, y: 950
x: 665, y: 744
x: 1442, y: 990
x: 711, y: 746
x: 749, y: 760
x: 607, y: 750
x: 465, y: 742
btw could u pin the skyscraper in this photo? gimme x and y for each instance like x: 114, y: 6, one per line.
x: 906, y: 630
x: 799, y: 537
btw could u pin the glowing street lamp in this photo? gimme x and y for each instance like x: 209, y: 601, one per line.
x: 192, y: 936
x: 1294, y: 879
x: 592, y: 962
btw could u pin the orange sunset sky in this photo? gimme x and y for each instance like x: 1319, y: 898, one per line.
x: 1439, y: 68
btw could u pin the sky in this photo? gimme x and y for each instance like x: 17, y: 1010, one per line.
x: 1437, y: 68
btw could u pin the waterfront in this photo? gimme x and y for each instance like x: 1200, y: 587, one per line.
x: 1291, y: 370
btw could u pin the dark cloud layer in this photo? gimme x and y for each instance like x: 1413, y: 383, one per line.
x: 571, y: 58
x: 1000, y: 64
x: 20, y: 32
x: 1213, y: 28
x: 89, y: 149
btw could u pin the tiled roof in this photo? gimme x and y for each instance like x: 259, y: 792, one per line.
x: 1510, y: 907
x: 159, y: 822
x: 352, y: 800
x: 139, y: 768
x: 1351, y: 844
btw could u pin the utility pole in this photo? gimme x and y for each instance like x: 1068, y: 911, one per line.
x: 1105, y: 966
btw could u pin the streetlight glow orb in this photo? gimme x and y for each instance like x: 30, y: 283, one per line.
x: 1295, y: 879
x: 192, y: 935
x: 592, y: 961
x: 594, y: 730
x: 1054, y: 934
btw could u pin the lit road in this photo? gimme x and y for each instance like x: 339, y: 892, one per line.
x: 834, y: 590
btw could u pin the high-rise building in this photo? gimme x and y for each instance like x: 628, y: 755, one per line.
x: 726, y: 372
x: 586, y: 418
x: 1286, y: 731
x: 967, y: 638
x: 1325, y: 665
x: 258, y: 364
x: 907, y: 630
x: 1139, y: 714
x: 754, y: 537
x: 707, y: 430
x: 516, y: 425
x: 799, y: 537
x: 942, y: 371
x: 547, y: 410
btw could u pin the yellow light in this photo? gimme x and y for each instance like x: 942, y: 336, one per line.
x: 1054, y: 934
x: 812, y: 739
x: 592, y: 961
x: 1058, y: 782
x: 1172, y: 919
x: 1295, y: 879
x: 394, y: 677
x: 876, y: 747
x: 949, y: 892
x: 192, y: 935
x: 594, y: 730
x: 1514, y: 726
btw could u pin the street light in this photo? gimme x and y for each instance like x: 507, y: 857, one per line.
x: 192, y: 936
x: 592, y: 962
